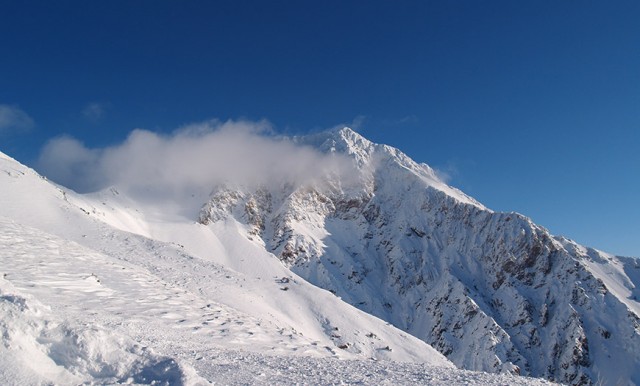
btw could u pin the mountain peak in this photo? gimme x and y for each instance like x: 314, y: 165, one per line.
x: 346, y: 133
x: 378, y: 159
x: 340, y: 140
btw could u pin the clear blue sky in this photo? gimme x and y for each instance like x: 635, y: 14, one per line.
x: 529, y: 106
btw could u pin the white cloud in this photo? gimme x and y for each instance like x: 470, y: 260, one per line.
x: 70, y: 162
x: 193, y: 158
x: 12, y: 119
x: 94, y: 111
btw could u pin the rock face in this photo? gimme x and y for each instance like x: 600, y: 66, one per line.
x: 491, y: 291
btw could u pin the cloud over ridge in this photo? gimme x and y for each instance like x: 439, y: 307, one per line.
x: 196, y: 156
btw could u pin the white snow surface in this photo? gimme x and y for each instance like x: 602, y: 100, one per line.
x: 98, y: 289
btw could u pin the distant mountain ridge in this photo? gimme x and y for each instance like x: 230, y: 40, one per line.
x: 491, y: 291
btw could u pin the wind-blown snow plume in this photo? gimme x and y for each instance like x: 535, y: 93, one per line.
x: 194, y: 156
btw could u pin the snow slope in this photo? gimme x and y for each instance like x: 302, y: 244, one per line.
x: 103, y: 291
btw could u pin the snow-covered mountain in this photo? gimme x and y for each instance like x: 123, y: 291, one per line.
x: 491, y: 291
x: 372, y: 275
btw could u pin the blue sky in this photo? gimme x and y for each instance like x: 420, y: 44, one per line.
x: 528, y: 106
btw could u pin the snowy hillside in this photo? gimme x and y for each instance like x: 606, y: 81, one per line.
x: 103, y: 289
